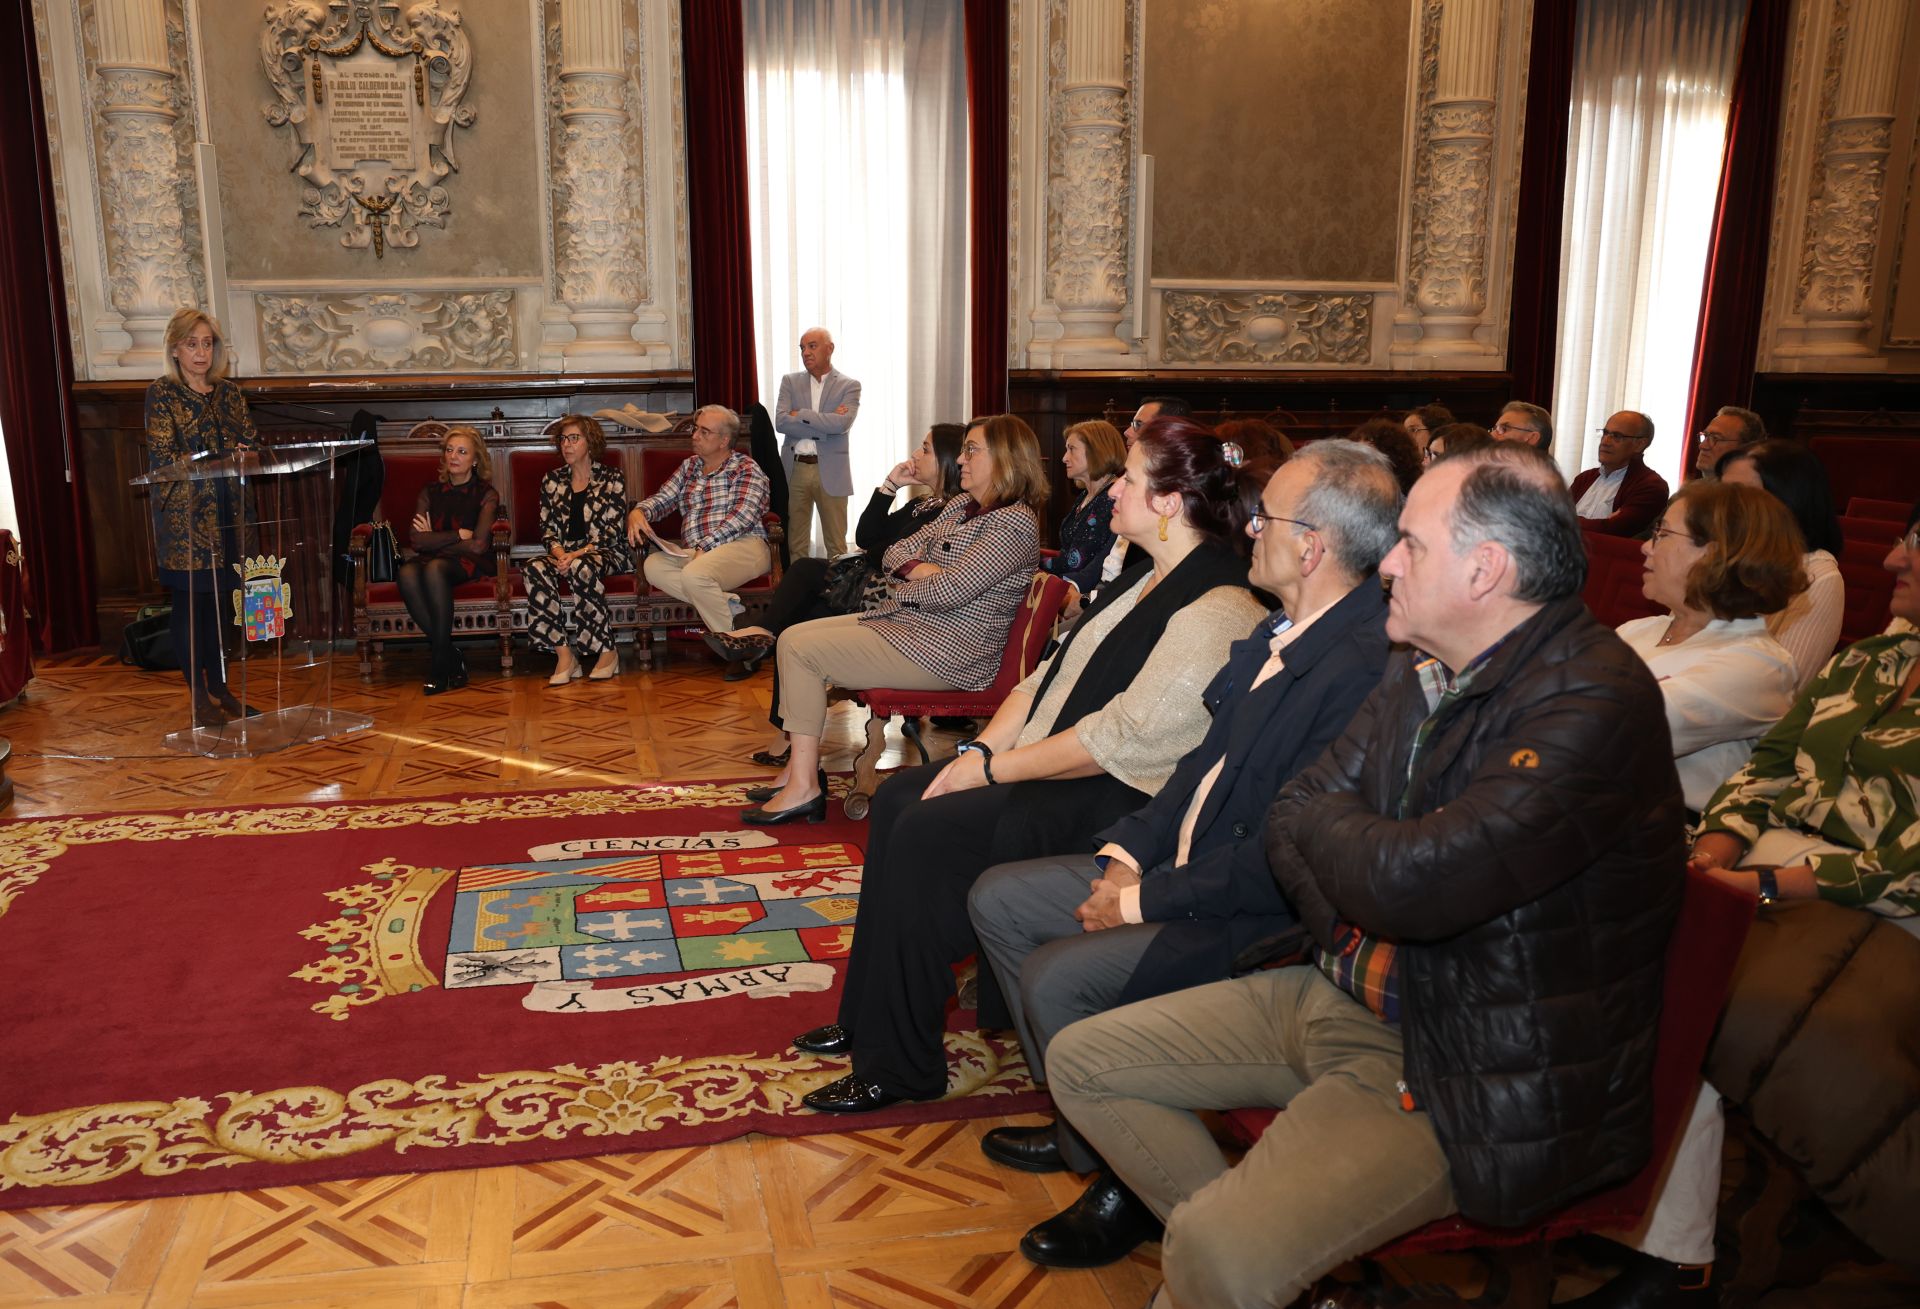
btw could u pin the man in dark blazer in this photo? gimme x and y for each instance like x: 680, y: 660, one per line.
x: 815, y: 414
x: 1182, y: 886
x: 1622, y: 496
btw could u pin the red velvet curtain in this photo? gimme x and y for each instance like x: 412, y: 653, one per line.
x: 986, y: 37
x: 1729, y: 337
x: 36, y: 365
x: 1534, y: 322
x: 719, y: 246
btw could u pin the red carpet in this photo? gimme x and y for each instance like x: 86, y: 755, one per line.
x: 237, y: 998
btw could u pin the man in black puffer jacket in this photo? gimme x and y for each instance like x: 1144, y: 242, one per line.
x: 1486, y: 865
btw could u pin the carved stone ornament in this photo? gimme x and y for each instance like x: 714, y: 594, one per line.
x: 372, y: 92
x: 394, y: 331
x: 1303, y: 327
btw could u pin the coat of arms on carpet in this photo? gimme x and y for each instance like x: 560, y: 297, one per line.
x: 653, y: 914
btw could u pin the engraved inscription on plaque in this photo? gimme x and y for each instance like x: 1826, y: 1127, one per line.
x: 370, y: 114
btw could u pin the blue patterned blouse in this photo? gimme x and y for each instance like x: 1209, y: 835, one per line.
x: 1086, y: 536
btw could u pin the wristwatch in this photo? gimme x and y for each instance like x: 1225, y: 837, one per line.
x: 1769, y: 885
x: 975, y: 745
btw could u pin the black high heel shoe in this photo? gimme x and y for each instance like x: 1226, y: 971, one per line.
x: 814, y: 811
x: 762, y: 794
x: 457, y: 674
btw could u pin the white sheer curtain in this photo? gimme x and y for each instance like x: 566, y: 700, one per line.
x: 1651, y: 82
x: 9, y: 515
x: 857, y: 158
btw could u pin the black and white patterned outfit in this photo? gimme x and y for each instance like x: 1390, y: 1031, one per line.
x: 570, y: 519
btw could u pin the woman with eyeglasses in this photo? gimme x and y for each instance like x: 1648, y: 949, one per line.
x: 1719, y: 559
x: 451, y: 543
x: 953, y: 588
x: 1809, y: 626
x: 1084, y: 741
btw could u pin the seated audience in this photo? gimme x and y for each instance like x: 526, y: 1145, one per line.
x: 1260, y: 439
x: 1508, y: 789
x: 1456, y: 438
x: 1824, y: 808
x: 1621, y: 496
x: 1152, y: 407
x: 1391, y: 440
x: 1526, y: 423
x: 955, y: 586
x: 1182, y: 886
x: 583, y: 509
x: 1720, y: 558
x: 451, y: 543
x: 1095, y: 455
x: 1731, y: 428
x: 1810, y: 624
x: 804, y: 593
x: 1087, y: 738
x: 721, y: 497
x: 1422, y: 423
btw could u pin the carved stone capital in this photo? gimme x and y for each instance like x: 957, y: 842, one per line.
x: 1303, y: 327
x: 386, y: 331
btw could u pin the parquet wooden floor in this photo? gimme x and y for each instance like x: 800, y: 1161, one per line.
x: 911, y: 1216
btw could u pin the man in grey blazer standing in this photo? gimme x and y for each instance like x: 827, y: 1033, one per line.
x: 814, y: 413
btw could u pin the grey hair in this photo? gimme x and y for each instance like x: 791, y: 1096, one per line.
x: 1541, y: 419
x: 1353, y: 501
x: 728, y: 419
x: 1514, y: 494
x: 1756, y: 425
x: 1646, y: 424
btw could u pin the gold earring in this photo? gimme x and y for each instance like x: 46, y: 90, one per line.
x: 1163, y: 527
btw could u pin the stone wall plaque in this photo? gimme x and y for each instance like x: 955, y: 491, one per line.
x: 372, y: 91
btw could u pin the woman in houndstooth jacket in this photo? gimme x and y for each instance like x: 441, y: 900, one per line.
x: 583, y: 514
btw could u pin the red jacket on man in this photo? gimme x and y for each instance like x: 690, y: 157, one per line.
x: 1637, y: 505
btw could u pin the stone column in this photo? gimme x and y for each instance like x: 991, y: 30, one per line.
x: 1449, y: 266
x: 149, y: 265
x: 1835, y: 290
x: 601, y: 270
x: 1087, y: 277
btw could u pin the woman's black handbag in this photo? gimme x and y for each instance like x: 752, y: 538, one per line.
x: 848, y: 579
x: 147, y: 641
x: 383, y: 553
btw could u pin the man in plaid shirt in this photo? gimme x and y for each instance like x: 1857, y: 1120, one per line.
x: 721, y: 496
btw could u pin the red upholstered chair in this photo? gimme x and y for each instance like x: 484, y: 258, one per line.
x: 479, y: 606
x: 1882, y: 467
x: 1893, y: 511
x: 1026, y: 639
x: 1869, y: 584
x: 1700, y: 958
x: 1614, y: 569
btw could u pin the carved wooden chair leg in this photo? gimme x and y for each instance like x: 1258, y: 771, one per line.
x: 866, y: 769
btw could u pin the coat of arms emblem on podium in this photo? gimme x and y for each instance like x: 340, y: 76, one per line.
x: 264, y: 601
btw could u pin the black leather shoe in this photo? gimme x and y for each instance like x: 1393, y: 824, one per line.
x: 1030, y: 1149
x: 831, y: 1039
x: 814, y: 811
x: 762, y: 794
x: 1103, y: 1225
x: 457, y: 675
x: 849, y: 1095
x: 1645, y: 1282
x: 433, y: 686
x: 768, y: 759
x: 741, y: 671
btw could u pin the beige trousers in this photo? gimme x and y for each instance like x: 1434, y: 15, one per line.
x: 705, y: 582
x: 804, y: 493
x: 838, y: 652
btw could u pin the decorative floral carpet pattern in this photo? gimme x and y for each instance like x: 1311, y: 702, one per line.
x: 250, y: 996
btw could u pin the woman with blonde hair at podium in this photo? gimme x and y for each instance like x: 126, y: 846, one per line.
x: 194, y: 410
x: 452, y: 542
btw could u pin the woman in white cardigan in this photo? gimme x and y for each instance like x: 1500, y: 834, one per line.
x: 1809, y: 625
x: 1721, y: 557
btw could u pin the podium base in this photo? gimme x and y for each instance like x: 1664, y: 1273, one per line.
x: 266, y: 733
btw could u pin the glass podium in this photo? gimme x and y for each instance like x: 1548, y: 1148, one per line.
x: 263, y: 616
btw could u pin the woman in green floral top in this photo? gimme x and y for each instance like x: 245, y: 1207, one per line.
x: 1826, y: 807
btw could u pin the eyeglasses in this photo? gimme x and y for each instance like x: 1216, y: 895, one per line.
x: 1714, y: 438
x: 1664, y: 531
x: 1618, y: 436
x: 1911, y: 541
x: 1259, y: 519
x: 1508, y: 429
x: 972, y: 448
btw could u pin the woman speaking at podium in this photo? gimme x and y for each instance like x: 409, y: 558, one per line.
x: 194, y: 410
